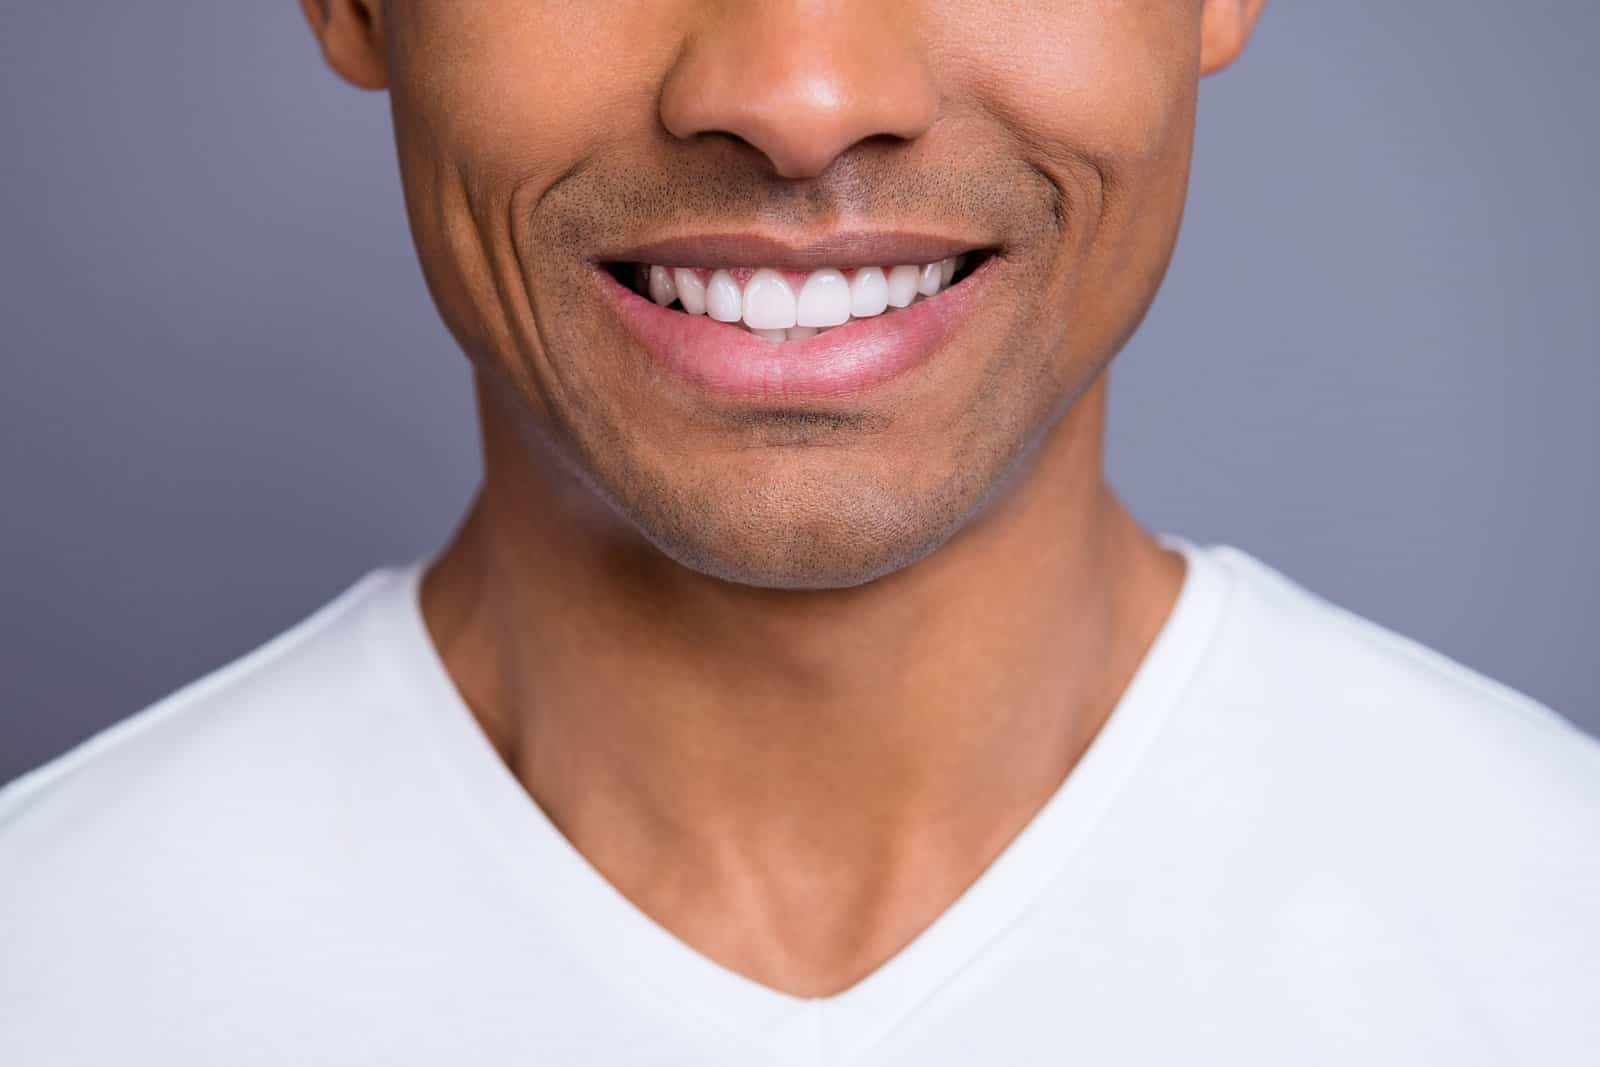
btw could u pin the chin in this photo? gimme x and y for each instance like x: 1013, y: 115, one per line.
x: 797, y: 538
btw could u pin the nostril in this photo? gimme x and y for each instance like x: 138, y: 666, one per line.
x: 741, y: 77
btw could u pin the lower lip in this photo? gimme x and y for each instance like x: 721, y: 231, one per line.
x: 728, y: 361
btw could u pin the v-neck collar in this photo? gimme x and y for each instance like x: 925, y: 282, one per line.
x: 744, y: 1016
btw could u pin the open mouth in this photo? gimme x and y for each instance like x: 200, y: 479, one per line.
x: 757, y: 322
x: 787, y: 305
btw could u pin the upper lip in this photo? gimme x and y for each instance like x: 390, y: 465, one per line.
x: 858, y: 248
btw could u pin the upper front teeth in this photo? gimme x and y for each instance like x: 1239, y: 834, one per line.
x: 869, y: 293
x: 724, y: 298
x: 769, y: 303
x: 824, y: 300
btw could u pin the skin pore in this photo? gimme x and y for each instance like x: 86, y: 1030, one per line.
x: 791, y: 675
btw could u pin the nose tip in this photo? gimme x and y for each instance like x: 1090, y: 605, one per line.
x: 800, y: 86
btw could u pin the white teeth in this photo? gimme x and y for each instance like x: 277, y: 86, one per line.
x: 723, y: 300
x: 768, y: 301
x: 902, y: 286
x: 869, y: 293
x: 662, y: 291
x: 769, y: 307
x: 691, y: 291
x: 824, y: 300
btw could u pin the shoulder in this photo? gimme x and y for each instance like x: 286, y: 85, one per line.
x: 177, y: 871
x: 1323, y: 664
x: 1390, y: 824
x: 220, y: 758
x: 1365, y: 733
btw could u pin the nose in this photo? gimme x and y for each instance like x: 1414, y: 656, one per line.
x: 801, y: 81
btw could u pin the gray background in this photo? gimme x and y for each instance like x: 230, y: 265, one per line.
x: 226, y: 393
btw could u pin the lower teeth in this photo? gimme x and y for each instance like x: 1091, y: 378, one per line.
x: 793, y: 333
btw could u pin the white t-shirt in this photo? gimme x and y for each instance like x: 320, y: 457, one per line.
x: 1299, y: 839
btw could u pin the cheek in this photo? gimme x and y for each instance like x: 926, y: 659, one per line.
x: 1107, y: 84
x: 1100, y: 96
x: 517, y: 91
x: 493, y: 101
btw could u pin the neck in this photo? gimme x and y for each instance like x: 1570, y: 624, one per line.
x: 667, y: 721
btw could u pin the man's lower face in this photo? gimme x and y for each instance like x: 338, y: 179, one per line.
x: 791, y: 348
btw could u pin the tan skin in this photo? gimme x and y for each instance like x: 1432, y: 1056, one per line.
x: 792, y: 678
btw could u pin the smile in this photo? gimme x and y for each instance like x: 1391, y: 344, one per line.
x: 777, y: 329
x: 778, y: 305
